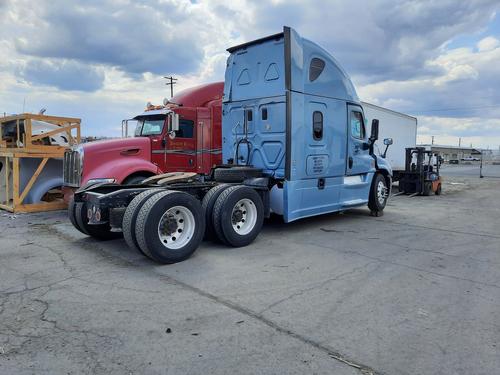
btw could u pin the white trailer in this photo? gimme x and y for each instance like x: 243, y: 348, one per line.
x: 398, y: 126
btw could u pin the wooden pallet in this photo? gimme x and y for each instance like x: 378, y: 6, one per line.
x: 25, y: 144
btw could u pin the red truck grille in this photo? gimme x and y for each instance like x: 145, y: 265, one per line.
x: 72, y: 168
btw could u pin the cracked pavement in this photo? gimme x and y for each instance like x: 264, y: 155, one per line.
x: 416, y: 291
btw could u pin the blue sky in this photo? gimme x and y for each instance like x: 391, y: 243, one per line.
x: 103, y: 60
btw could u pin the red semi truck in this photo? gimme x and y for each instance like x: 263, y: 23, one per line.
x: 183, y: 135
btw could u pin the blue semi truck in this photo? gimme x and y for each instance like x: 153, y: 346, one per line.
x: 294, y: 143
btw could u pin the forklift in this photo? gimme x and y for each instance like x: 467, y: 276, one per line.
x: 421, y: 175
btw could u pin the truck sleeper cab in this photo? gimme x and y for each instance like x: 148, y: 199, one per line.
x: 294, y: 143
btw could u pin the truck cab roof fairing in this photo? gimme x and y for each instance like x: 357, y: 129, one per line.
x: 292, y: 74
x: 266, y: 74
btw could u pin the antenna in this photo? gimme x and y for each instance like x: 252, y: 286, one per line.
x: 171, y: 84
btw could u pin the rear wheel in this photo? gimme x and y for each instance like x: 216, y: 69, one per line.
x: 238, y: 215
x: 130, y: 218
x: 170, y: 226
x: 100, y: 231
x: 378, y: 194
x: 72, y: 215
x: 208, y: 206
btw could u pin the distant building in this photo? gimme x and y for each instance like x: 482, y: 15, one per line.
x: 454, y: 152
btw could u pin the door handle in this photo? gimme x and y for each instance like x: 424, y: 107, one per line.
x: 130, y: 151
x: 356, y: 149
x: 351, y: 161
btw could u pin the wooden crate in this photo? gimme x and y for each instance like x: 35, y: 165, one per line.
x: 20, y: 146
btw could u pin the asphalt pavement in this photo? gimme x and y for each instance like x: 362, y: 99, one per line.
x: 416, y: 291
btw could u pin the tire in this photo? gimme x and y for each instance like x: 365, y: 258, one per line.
x: 244, y: 203
x: 438, y: 190
x: 134, y: 180
x: 427, y: 189
x: 130, y: 217
x: 378, y: 194
x: 72, y: 213
x: 187, y: 226
x: 207, y: 205
x: 236, y: 173
x: 101, y: 232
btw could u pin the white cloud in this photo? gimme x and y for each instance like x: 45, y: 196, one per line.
x: 487, y: 44
x: 396, y: 52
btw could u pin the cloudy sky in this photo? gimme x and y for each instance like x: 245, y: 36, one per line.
x: 102, y: 60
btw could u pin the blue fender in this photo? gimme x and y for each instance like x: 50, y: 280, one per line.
x: 384, y: 167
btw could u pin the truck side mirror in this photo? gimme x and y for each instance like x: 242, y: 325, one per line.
x: 374, y: 134
x: 175, y: 122
x: 387, y: 143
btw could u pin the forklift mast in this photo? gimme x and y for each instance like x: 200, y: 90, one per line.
x: 420, y: 177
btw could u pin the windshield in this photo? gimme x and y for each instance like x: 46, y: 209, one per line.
x: 149, y: 126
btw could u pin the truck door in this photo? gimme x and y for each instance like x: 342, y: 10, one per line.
x: 181, y: 150
x: 359, y: 161
x: 154, y: 127
x: 317, y: 156
x: 203, y: 140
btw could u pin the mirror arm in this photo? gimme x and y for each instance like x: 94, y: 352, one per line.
x: 385, y: 151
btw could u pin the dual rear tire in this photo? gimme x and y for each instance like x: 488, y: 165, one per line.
x: 77, y: 212
x: 168, y: 226
x: 238, y: 215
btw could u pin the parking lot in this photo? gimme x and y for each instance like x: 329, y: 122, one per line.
x: 416, y: 291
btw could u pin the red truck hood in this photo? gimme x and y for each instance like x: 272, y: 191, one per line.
x: 115, y: 146
x: 106, y: 158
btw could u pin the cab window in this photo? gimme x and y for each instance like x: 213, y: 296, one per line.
x: 317, y: 125
x: 315, y: 68
x: 186, y: 129
x: 152, y: 126
x: 357, y: 125
x: 138, y: 129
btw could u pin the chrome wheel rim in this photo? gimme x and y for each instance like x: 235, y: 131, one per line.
x: 244, y: 216
x: 176, y: 227
x: 381, y: 192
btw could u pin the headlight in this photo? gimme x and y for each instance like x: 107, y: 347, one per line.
x: 101, y: 181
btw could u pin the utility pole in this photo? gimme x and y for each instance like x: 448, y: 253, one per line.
x: 171, y: 84
x: 459, y: 142
x: 432, y: 142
